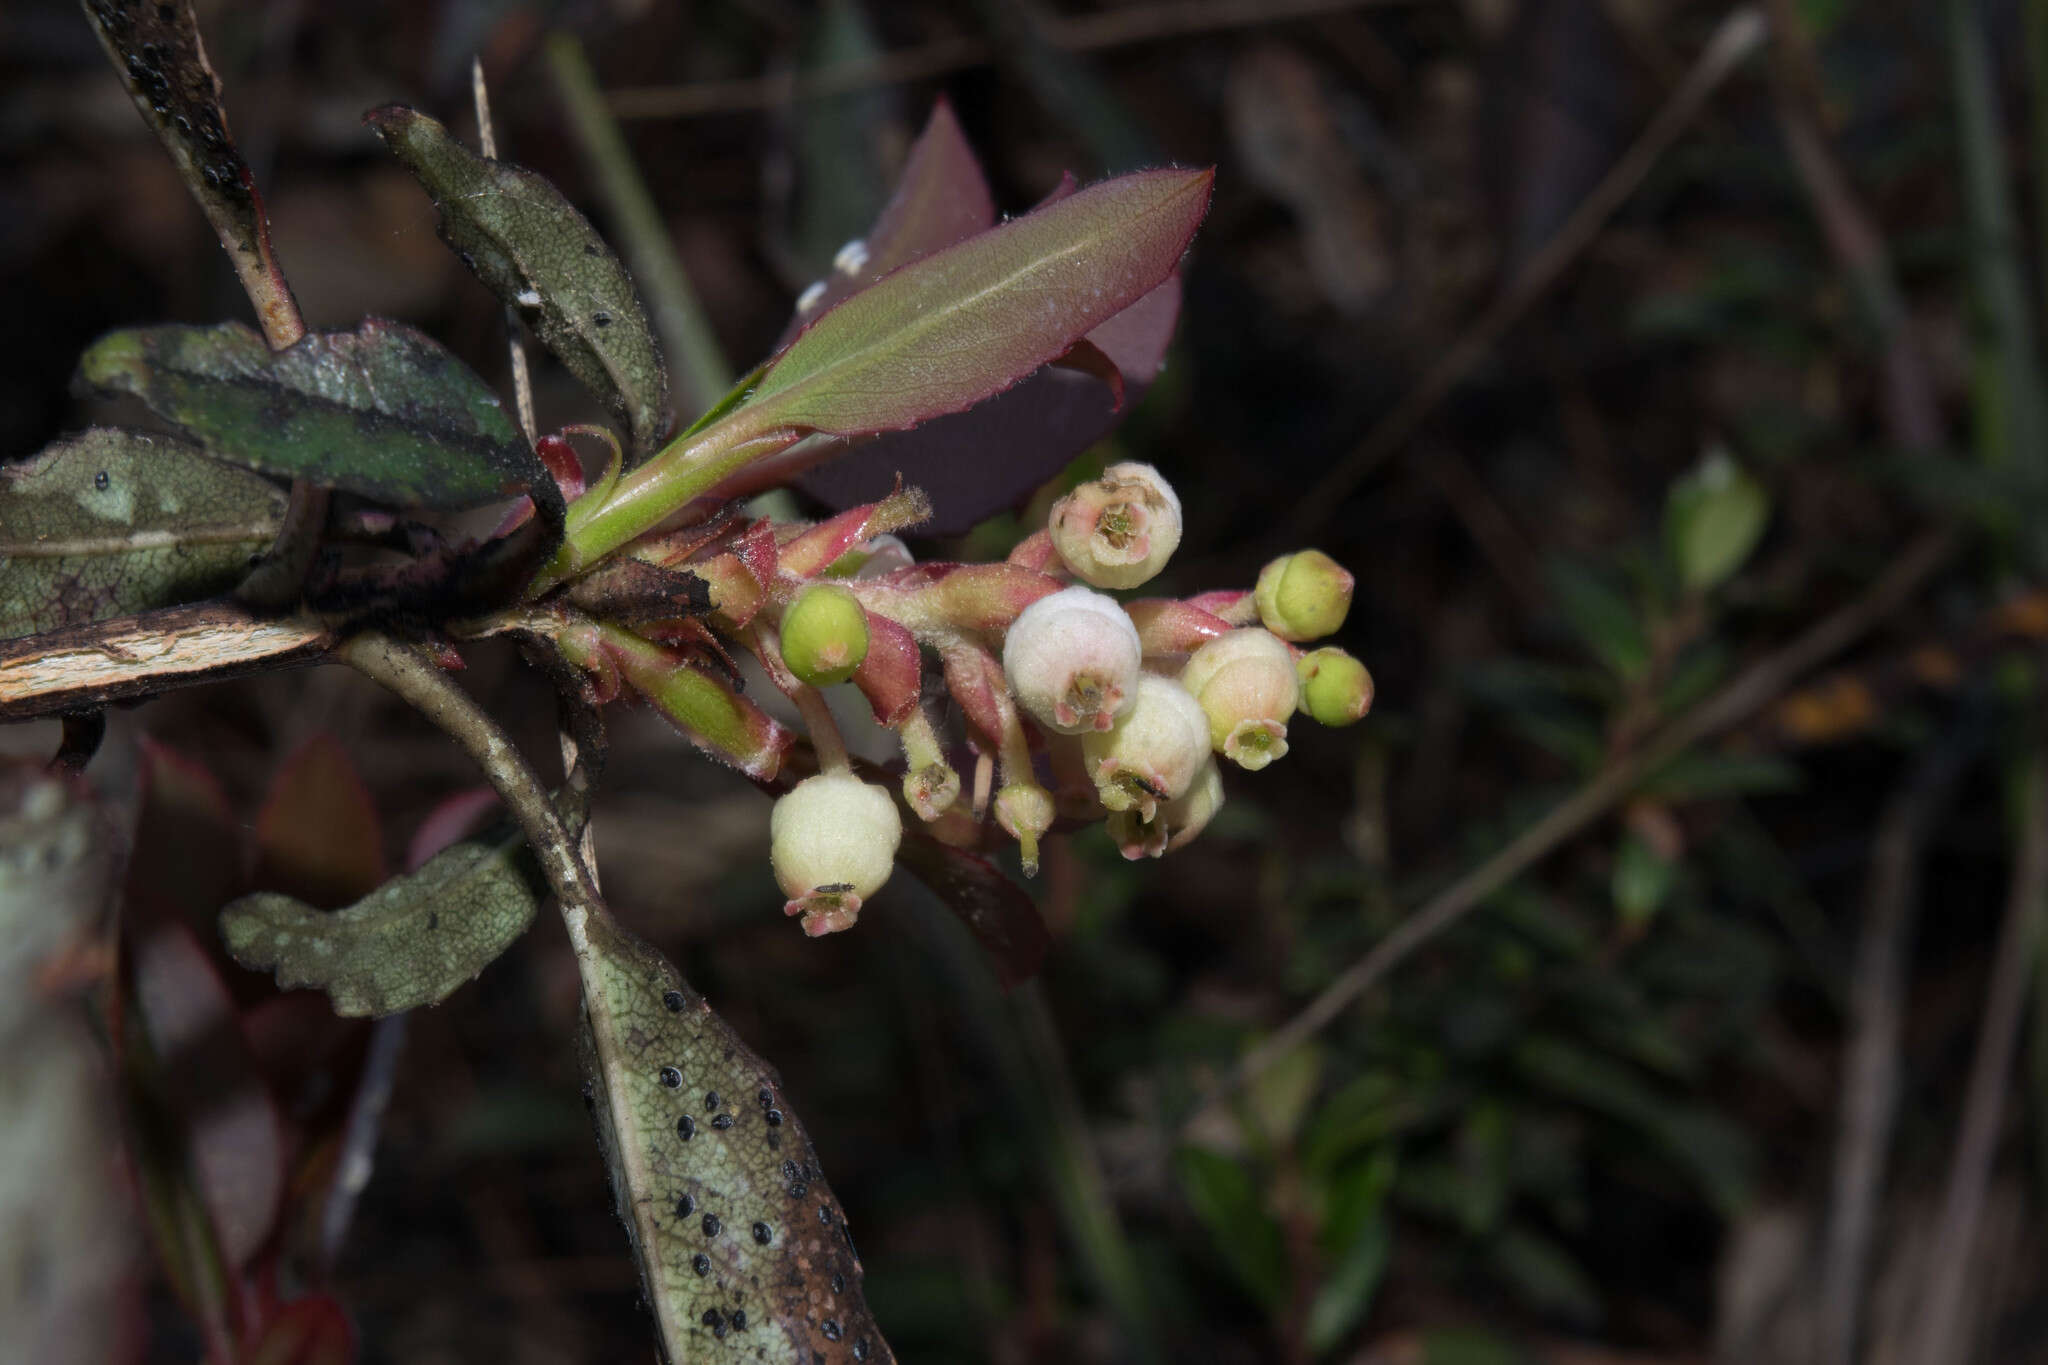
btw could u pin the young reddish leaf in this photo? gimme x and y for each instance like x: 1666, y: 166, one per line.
x: 973, y: 319
x: 942, y: 198
x: 450, y: 819
x: 531, y: 247
x: 383, y: 411
x: 156, y: 49
x: 208, y: 1077
x: 110, y: 522
x: 1018, y: 439
x: 317, y: 836
x: 188, y: 850
x: 994, y: 908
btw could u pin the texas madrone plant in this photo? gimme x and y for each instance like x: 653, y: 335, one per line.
x: 292, y: 506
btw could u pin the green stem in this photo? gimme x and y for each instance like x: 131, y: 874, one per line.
x: 649, y: 495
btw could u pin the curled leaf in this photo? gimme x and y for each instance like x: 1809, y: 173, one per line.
x: 524, y: 240
x: 111, y: 522
x: 383, y: 411
x: 739, y: 1239
x: 409, y: 943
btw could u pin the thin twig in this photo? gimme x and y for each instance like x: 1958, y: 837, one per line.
x: 1085, y: 33
x: 1742, y: 698
x: 1911, y: 410
x: 1942, y: 1338
x: 1738, y: 36
x: 408, y: 673
x: 1870, y: 1064
x: 679, y: 317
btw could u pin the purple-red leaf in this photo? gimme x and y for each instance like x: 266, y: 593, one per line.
x: 994, y: 908
x: 972, y: 320
x: 317, y: 836
x: 1017, y: 440
x: 942, y: 198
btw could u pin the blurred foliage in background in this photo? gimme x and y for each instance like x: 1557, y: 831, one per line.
x: 1588, y: 467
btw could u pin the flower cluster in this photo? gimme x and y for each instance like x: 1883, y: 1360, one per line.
x: 1067, y: 706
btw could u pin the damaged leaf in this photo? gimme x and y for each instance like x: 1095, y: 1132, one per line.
x: 383, y: 411
x: 519, y: 235
x: 156, y: 49
x: 409, y: 943
x: 739, y: 1240
x: 111, y: 522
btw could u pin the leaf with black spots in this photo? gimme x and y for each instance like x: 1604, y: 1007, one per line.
x: 109, y: 522
x: 524, y: 240
x: 383, y: 411
x: 409, y: 943
x: 739, y: 1240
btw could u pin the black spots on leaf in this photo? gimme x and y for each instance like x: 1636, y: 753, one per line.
x: 601, y: 318
x: 838, y: 1284
x: 739, y: 1319
x: 686, y: 1127
x: 762, y: 1235
x: 722, y: 1122
x: 711, y: 1100
x: 766, y: 1097
x: 712, y: 1227
x: 674, y: 1001
x: 592, y: 249
x: 825, y: 1214
x: 686, y: 1206
x: 774, y: 1117
x: 433, y: 919
x: 797, y: 1189
x: 701, y: 1264
x: 792, y: 1171
x: 860, y: 1349
x: 101, y: 481
x: 672, y: 1078
x: 715, y: 1320
x: 830, y: 1327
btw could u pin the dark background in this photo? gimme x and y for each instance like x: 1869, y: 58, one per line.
x: 1598, y: 1120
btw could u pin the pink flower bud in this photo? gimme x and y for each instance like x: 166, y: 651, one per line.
x: 1246, y: 684
x: 1071, y: 659
x: 1304, y: 596
x: 832, y: 842
x: 1175, y: 824
x: 1119, y: 530
x: 1153, y: 753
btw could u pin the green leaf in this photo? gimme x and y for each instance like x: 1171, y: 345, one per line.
x: 1642, y: 878
x: 1223, y: 1196
x: 110, y: 522
x: 1713, y: 519
x: 1603, y: 619
x: 531, y: 247
x: 409, y: 943
x: 1346, y: 1295
x: 969, y: 321
x: 717, y: 1182
x: 1544, y: 1275
x: 383, y: 411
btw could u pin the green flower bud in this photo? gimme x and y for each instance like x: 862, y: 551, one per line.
x: 1303, y: 596
x: 1246, y: 684
x: 824, y: 635
x: 1119, y: 530
x: 1153, y: 752
x: 832, y: 841
x: 1335, y: 688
